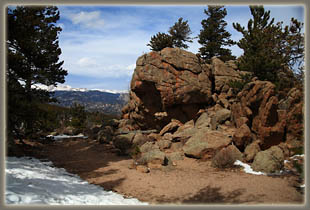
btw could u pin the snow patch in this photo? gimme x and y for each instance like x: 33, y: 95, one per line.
x: 247, y: 168
x: 297, y: 156
x: 58, y: 137
x: 31, y: 181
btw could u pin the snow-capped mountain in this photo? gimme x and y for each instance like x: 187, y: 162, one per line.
x: 107, y: 101
x: 60, y: 87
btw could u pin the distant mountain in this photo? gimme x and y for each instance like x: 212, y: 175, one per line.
x: 69, y: 88
x: 106, y: 101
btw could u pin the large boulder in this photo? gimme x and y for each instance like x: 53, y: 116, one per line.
x: 184, y: 132
x: 164, y: 144
x: 155, y: 158
x: 172, y: 81
x: 222, y: 73
x: 251, y: 150
x: 242, y: 137
x: 269, y: 161
x: 220, y: 117
x: 204, y: 120
x: 149, y: 146
x: 139, y: 139
x: 176, y: 146
x: 124, y: 143
x: 171, y: 127
x: 204, y: 143
x: 226, y: 157
x: 175, y: 156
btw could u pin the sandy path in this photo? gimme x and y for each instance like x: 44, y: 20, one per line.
x: 190, y: 181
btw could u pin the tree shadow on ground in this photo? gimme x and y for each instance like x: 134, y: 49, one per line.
x: 96, y: 174
x: 213, y: 195
x: 110, y: 185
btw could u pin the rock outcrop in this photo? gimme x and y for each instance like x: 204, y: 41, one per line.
x: 170, y: 84
x: 258, y: 108
x: 175, y: 84
x: 196, y: 114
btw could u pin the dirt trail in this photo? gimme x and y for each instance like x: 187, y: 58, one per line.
x: 189, y: 182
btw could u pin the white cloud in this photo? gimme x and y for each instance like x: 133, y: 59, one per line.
x: 102, y: 56
x: 87, y: 19
x: 101, y: 70
x: 85, y: 61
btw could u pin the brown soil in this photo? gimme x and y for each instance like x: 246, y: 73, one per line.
x: 189, y: 182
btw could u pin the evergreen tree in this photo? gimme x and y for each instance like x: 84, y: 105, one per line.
x: 293, y: 47
x: 269, y: 47
x: 33, y: 58
x: 256, y: 44
x: 180, y: 32
x: 178, y: 35
x: 160, y: 41
x: 213, y: 35
x: 78, y: 114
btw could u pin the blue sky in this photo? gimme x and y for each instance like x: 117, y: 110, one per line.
x: 100, y: 44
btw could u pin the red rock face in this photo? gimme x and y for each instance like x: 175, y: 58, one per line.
x: 294, y: 106
x: 259, y: 104
x: 171, y: 81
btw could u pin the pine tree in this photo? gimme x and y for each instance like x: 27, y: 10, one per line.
x: 269, y: 47
x: 213, y: 35
x: 33, y: 46
x: 178, y: 35
x: 78, y: 114
x: 160, y: 41
x: 294, y: 48
x: 256, y: 43
x: 33, y: 58
x: 180, y: 32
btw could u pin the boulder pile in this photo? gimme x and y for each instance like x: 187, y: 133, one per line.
x: 191, y: 111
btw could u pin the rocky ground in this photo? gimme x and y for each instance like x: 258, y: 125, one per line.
x: 189, y: 181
